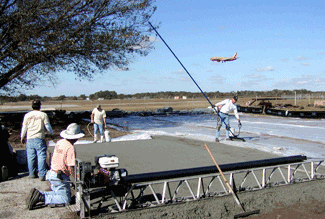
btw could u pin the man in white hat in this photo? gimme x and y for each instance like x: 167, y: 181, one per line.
x: 62, y: 167
x: 98, y: 118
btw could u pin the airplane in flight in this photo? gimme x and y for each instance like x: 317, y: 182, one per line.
x: 224, y: 59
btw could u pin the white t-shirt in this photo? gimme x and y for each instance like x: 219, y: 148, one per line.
x: 99, y: 116
x: 228, y: 106
x: 35, y: 122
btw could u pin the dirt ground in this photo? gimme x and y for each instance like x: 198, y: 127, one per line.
x: 14, y: 139
x: 153, y: 104
x: 298, y: 201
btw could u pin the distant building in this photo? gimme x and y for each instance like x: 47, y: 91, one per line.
x: 176, y: 98
x: 100, y: 99
x: 184, y: 97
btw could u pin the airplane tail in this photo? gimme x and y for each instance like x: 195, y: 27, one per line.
x: 235, y: 56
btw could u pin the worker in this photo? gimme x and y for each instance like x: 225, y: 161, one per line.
x: 34, y: 124
x: 98, y: 118
x: 62, y: 167
x: 224, y: 108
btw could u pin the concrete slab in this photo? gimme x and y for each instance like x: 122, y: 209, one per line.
x: 167, y: 153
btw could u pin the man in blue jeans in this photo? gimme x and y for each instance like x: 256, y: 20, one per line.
x: 34, y: 124
x: 98, y: 118
x: 62, y: 167
x: 223, y: 108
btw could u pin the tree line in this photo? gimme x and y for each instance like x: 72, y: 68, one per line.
x: 108, y: 95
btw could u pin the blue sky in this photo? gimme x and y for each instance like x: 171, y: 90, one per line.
x: 280, y: 45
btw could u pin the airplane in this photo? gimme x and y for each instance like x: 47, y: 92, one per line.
x: 224, y: 59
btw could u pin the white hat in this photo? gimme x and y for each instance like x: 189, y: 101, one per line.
x: 73, y: 131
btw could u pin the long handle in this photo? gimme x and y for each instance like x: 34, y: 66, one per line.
x: 227, y: 127
x: 224, y: 178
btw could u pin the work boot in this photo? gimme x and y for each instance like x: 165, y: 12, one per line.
x: 101, y: 138
x: 30, y: 195
x: 95, y: 138
x: 35, y: 197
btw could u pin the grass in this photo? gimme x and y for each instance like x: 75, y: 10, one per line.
x: 151, y: 104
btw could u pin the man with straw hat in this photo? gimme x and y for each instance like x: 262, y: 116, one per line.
x: 62, y: 167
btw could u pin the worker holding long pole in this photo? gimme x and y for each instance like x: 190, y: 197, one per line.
x: 224, y: 108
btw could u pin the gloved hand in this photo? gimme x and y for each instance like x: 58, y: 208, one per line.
x: 216, y: 109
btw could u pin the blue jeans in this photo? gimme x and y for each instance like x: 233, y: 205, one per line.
x: 60, y: 189
x: 223, y: 118
x: 98, y: 127
x: 36, y: 151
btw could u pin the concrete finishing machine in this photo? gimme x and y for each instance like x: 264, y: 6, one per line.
x: 106, y: 188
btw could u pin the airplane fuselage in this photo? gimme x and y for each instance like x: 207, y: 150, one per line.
x: 224, y: 59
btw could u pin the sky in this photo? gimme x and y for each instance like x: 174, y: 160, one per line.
x: 280, y: 45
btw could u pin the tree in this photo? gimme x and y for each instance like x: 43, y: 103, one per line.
x: 22, y: 97
x: 61, y: 97
x: 46, y: 98
x: 104, y: 94
x: 41, y: 37
x: 82, y: 96
x: 34, y: 97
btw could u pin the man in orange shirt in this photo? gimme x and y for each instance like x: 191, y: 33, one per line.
x: 62, y: 167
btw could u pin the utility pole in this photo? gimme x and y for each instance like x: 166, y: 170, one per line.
x: 295, y: 98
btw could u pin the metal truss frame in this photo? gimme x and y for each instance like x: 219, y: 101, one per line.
x: 172, y: 191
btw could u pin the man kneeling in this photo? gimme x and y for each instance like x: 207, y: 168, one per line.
x: 62, y: 167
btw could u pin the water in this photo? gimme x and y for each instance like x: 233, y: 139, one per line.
x: 279, y: 135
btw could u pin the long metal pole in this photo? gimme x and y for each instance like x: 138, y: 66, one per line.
x: 227, y: 127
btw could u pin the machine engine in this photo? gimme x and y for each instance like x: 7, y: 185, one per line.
x: 104, y: 173
x: 107, y: 171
